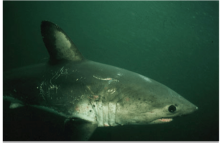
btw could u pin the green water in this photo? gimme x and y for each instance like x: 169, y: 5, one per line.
x: 175, y: 43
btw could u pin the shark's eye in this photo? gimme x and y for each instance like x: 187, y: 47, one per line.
x: 172, y: 108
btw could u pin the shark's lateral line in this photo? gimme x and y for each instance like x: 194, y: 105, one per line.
x: 87, y: 93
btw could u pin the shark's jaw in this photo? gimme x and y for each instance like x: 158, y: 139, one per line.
x: 161, y: 120
x: 165, y: 119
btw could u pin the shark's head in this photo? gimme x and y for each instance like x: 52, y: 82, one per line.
x: 150, y: 102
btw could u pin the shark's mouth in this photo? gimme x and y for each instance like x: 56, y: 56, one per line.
x: 165, y: 119
x: 161, y: 120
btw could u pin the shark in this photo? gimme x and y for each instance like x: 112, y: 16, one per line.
x: 89, y: 94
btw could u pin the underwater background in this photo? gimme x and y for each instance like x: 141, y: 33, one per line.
x: 175, y: 43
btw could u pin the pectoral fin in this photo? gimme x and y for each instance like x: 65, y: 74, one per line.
x: 79, y: 129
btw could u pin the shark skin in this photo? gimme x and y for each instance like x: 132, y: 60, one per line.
x: 89, y: 94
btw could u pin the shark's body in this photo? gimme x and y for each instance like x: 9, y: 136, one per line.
x: 88, y: 93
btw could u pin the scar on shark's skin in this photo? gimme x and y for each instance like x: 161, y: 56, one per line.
x: 42, y: 91
x: 96, y: 97
x: 111, y: 91
x: 52, y: 86
x: 93, y: 96
x: 89, y: 87
x: 111, y: 79
x: 127, y: 99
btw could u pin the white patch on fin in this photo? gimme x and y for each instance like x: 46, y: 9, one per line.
x: 15, y: 105
x: 61, y: 40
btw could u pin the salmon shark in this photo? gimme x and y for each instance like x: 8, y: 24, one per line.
x: 89, y: 94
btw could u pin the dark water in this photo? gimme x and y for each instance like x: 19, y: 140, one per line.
x: 175, y: 43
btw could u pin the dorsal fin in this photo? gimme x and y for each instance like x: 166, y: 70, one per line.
x: 58, y: 44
